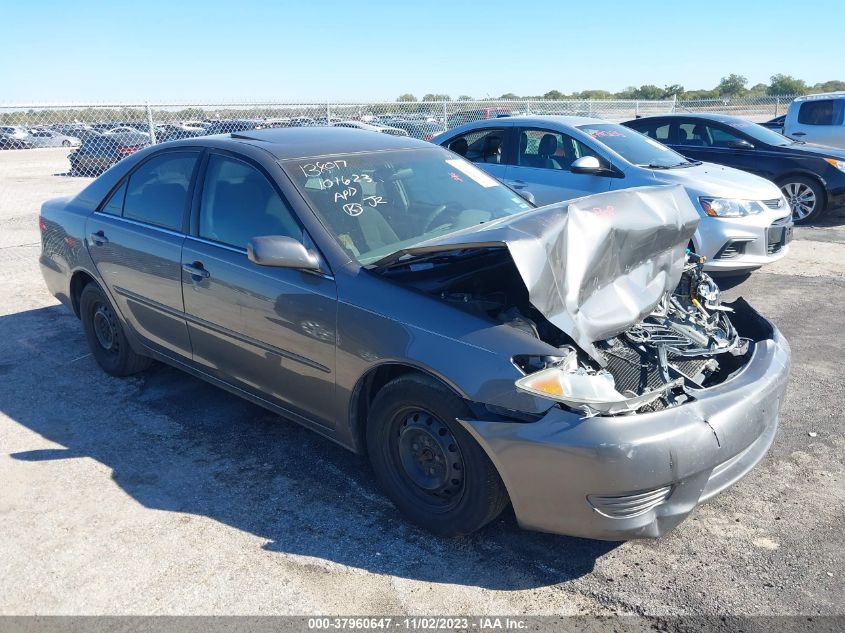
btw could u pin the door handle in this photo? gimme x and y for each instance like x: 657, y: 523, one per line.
x: 799, y: 134
x: 98, y: 237
x: 196, y: 271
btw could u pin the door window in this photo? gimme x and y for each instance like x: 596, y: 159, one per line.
x: 822, y: 112
x: 657, y: 131
x: 157, y: 192
x: 480, y: 146
x: 704, y: 135
x: 545, y: 149
x: 239, y: 203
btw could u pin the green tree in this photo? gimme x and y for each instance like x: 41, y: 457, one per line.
x: 786, y: 85
x: 829, y: 86
x: 732, y: 86
x: 406, y: 97
x: 554, y: 94
x: 466, y: 98
x: 648, y: 91
x: 673, y: 90
x: 593, y: 94
x: 758, y: 90
x: 435, y: 97
x: 509, y: 95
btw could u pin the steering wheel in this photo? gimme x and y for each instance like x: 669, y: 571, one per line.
x: 441, y: 215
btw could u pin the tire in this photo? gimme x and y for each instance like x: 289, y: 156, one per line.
x: 805, y: 196
x: 65, y: 143
x: 432, y: 469
x: 105, y: 335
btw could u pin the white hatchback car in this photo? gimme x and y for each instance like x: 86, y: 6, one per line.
x: 746, y: 221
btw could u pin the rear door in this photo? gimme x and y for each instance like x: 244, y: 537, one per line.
x: 541, y: 165
x: 270, y: 331
x: 135, y: 239
x: 819, y: 121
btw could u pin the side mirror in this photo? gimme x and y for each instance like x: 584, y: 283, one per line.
x: 281, y: 252
x: 526, y: 195
x: 740, y: 144
x: 586, y: 165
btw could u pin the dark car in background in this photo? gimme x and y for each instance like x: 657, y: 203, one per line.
x: 9, y: 141
x: 775, y: 124
x: 227, y: 126
x: 811, y: 177
x: 99, y: 153
x: 423, y: 130
x: 467, y: 116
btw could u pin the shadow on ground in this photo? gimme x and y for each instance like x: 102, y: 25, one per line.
x: 176, y: 443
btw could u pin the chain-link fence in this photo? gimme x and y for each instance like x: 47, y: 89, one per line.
x: 98, y: 135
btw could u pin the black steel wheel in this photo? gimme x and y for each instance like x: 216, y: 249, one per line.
x: 426, y: 462
x: 105, y: 335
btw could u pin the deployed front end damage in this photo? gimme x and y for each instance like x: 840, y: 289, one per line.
x: 660, y: 395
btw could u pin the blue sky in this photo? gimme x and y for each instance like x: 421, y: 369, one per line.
x: 192, y: 51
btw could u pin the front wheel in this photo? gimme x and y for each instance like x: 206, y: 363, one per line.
x: 105, y: 335
x: 427, y: 463
x: 806, y: 198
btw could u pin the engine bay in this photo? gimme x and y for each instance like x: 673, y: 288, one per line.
x: 687, y: 343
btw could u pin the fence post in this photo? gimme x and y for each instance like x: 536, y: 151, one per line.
x: 528, y: 107
x: 150, y: 124
x: 777, y: 105
x: 637, y: 109
x: 445, y: 116
x: 328, y: 113
x: 674, y: 102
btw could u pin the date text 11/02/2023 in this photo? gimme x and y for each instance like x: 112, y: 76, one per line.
x: 424, y: 623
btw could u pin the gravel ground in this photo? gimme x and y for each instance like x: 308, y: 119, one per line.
x: 160, y: 494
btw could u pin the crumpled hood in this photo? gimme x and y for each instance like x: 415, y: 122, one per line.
x: 593, y: 266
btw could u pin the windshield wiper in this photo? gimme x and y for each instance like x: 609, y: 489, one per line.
x: 691, y: 163
x: 403, y: 257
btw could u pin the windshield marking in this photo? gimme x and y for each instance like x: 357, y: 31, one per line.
x: 473, y: 172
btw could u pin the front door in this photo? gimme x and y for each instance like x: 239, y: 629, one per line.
x: 135, y: 240
x: 268, y: 330
x: 541, y: 166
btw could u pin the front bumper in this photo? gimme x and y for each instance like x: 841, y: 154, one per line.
x: 559, y: 470
x: 738, y: 244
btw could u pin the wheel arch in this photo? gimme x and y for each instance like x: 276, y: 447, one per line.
x: 78, y: 281
x: 371, y: 382
x: 792, y: 173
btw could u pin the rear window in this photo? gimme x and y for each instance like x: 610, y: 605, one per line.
x: 822, y: 112
x: 157, y: 192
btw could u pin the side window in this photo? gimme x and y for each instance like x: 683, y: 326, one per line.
x: 480, y: 146
x: 720, y: 137
x: 239, y: 203
x: 157, y: 192
x: 545, y: 149
x: 114, y: 206
x: 822, y: 112
x: 655, y: 131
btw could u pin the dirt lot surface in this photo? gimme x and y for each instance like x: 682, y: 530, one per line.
x: 160, y: 494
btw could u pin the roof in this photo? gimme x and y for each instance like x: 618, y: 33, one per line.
x: 541, y: 119
x: 821, y: 95
x: 304, y: 142
x: 704, y: 116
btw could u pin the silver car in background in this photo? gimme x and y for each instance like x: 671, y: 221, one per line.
x: 746, y: 221
x: 49, y: 138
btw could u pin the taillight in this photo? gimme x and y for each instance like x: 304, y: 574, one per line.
x: 127, y: 150
x: 428, y: 137
x: 42, y: 225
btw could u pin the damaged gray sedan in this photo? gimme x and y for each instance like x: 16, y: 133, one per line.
x: 572, y: 360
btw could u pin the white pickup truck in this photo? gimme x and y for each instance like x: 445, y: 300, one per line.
x: 817, y: 119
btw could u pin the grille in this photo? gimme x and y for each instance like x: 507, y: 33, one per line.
x: 775, y: 203
x: 626, y: 506
x: 731, y: 250
x: 774, y: 247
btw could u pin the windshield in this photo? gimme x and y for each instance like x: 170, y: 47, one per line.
x: 760, y: 133
x: 634, y: 147
x: 380, y: 202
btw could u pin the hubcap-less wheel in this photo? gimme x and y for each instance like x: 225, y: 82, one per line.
x: 430, y: 457
x: 105, y: 328
x: 801, y: 198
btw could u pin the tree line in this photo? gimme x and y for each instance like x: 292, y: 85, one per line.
x: 731, y: 86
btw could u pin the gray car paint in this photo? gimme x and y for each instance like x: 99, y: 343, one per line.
x: 379, y: 324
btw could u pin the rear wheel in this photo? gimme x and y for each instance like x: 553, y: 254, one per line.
x: 427, y: 464
x: 806, y: 198
x: 105, y: 335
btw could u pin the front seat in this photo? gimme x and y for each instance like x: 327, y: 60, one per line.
x: 699, y: 135
x: 548, y: 146
x: 490, y: 153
